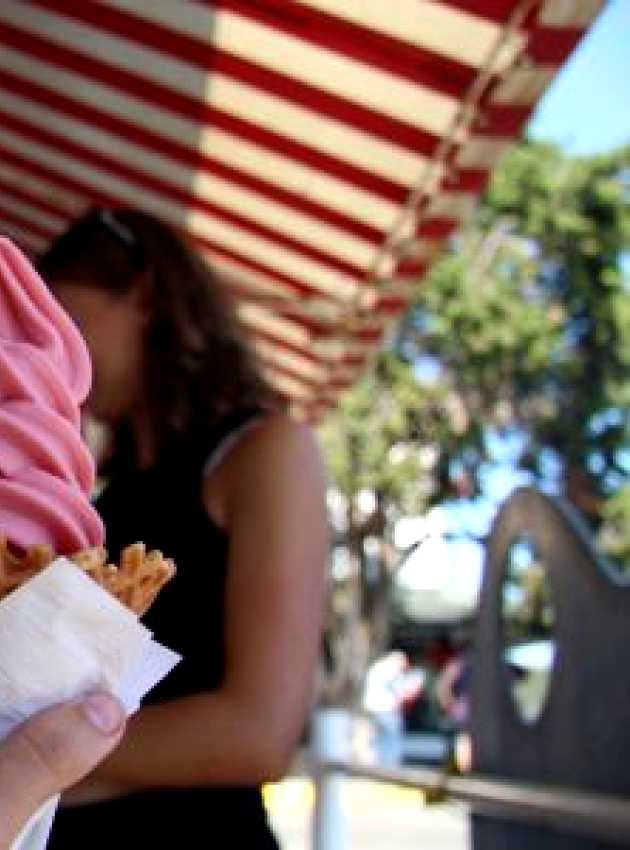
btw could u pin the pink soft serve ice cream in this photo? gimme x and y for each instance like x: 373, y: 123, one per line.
x: 46, y: 470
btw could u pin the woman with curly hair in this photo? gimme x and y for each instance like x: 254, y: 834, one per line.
x: 204, y: 464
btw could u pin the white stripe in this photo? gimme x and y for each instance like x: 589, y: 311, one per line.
x: 313, y: 65
x: 290, y: 263
x: 241, y: 276
x: 234, y: 152
x: 523, y: 84
x: 26, y: 240
x: 303, y: 180
x: 288, y: 385
x: 427, y: 24
x: 462, y: 36
x: 482, y: 152
x: 329, y: 348
x: 279, y: 300
x: 455, y: 205
x: 363, y: 347
x: 418, y: 248
x: 192, y: 19
x: 318, y: 310
x: 401, y: 287
x: 117, y: 51
x: 290, y: 360
x: 262, y: 319
x: 314, y: 274
x: 239, y: 99
x: 254, y: 316
x: 338, y: 75
x: 263, y: 211
x: 327, y: 135
x: 44, y: 190
x: 225, y: 195
x: 569, y: 13
x: 30, y: 212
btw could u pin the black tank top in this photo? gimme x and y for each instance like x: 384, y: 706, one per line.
x: 162, y: 506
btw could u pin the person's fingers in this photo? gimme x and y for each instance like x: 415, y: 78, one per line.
x: 56, y: 747
x: 53, y: 750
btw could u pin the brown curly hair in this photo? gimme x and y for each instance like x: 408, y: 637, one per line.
x: 197, y: 365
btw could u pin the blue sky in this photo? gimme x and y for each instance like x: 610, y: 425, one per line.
x: 586, y: 110
x: 587, y: 107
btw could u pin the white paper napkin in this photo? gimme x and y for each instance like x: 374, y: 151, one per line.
x: 61, y: 635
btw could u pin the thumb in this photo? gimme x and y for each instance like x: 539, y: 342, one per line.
x: 54, y: 749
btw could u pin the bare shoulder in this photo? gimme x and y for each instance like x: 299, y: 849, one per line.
x: 277, y: 451
x: 277, y: 434
x: 276, y: 455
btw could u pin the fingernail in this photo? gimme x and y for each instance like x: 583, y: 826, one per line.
x: 104, y: 713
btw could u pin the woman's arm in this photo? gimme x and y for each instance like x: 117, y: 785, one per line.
x: 269, y: 495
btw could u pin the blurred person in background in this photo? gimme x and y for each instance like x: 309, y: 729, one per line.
x: 453, y: 689
x: 390, y: 684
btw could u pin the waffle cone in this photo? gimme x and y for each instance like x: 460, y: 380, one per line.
x: 135, y: 582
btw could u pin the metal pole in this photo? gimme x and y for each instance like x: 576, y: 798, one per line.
x: 577, y: 811
x: 330, y: 742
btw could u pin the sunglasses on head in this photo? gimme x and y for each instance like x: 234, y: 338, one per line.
x: 108, y: 219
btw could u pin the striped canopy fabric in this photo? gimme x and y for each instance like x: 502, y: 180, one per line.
x: 318, y: 152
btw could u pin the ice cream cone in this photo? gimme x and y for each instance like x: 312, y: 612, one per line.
x: 135, y: 582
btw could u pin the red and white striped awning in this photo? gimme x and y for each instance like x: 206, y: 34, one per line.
x: 318, y: 151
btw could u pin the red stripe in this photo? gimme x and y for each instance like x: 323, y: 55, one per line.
x: 301, y: 289
x: 309, y: 386
x: 505, y: 120
x: 463, y: 178
x: 61, y: 179
x: 138, y: 135
x: 355, y: 361
x: 467, y: 180
x: 411, y: 268
x: 280, y: 342
x: 216, y: 61
x: 342, y: 384
x: 18, y: 237
x: 48, y: 233
x: 196, y: 110
x: 307, y: 353
x: 317, y: 329
x: 292, y: 311
x: 437, y: 228
x: 44, y: 204
x: 546, y: 45
x: 551, y: 46
x: 25, y: 224
x: 371, y: 335
x: 87, y: 155
x: 361, y: 43
x: 289, y: 373
x: 392, y: 305
x: 498, y: 11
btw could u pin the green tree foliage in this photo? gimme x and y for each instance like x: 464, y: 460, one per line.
x: 525, y: 324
